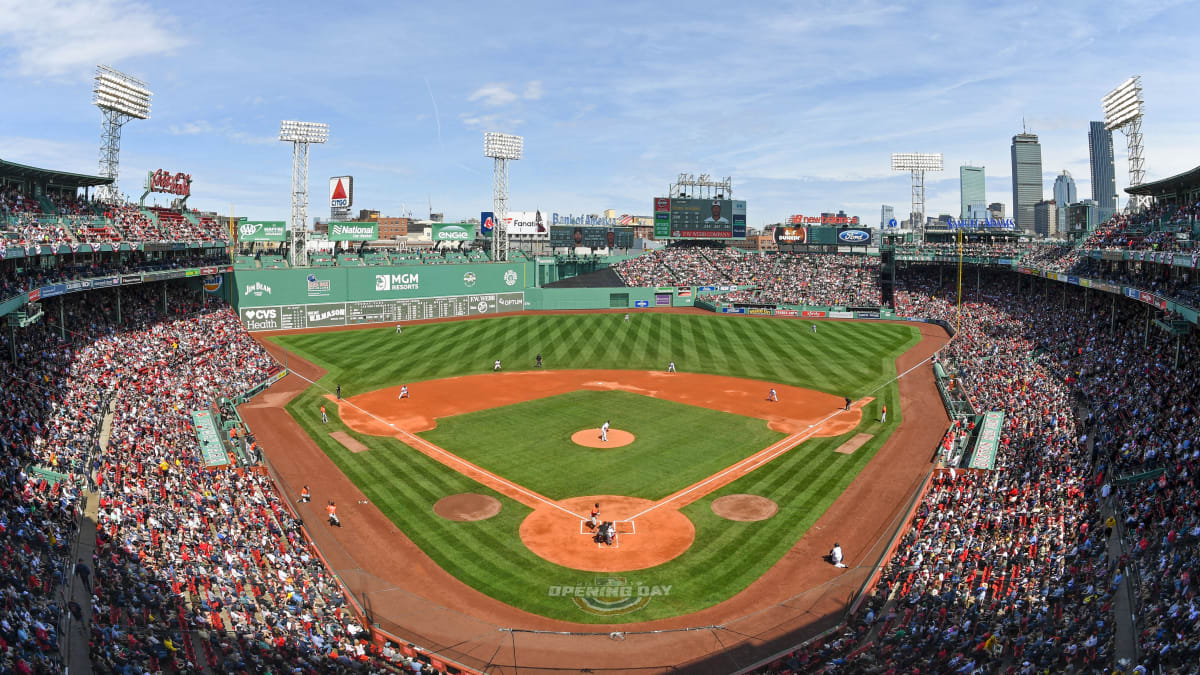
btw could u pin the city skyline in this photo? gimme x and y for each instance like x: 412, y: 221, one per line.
x: 609, y: 121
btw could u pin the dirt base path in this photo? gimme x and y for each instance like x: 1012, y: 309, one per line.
x: 799, y: 594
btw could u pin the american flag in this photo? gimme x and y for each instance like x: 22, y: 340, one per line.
x: 626, y: 219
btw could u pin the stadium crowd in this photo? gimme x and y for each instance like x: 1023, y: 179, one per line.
x: 776, y: 278
x: 194, y: 567
x: 1011, y: 570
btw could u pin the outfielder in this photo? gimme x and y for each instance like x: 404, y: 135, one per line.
x: 814, y: 328
x: 403, y: 391
x: 626, y: 317
x: 671, y: 367
x: 398, y: 331
x: 604, y: 431
x: 496, y: 366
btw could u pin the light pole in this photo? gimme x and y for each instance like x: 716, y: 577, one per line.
x: 121, y: 98
x: 300, y: 135
x: 501, y: 148
x: 917, y: 163
x: 1123, y: 110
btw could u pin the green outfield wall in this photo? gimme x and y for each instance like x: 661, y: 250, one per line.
x: 317, y: 297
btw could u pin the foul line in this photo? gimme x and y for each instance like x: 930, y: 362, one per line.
x: 451, y: 456
x: 783, y: 445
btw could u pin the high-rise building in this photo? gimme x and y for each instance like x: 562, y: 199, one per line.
x: 1045, y: 217
x: 886, y: 215
x: 1026, y: 178
x: 996, y: 210
x: 1064, y: 194
x: 971, y: 188
x: 1104, y: 174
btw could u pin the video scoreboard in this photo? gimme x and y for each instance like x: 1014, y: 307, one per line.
x: 570, y: 236
x: 688, y: 218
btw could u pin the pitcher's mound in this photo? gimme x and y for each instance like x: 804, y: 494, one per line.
x: 744, y: 508
x: 467, y: 506
x: 590, y: 438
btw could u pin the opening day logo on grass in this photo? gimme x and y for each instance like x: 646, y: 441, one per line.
x: 609, y: 596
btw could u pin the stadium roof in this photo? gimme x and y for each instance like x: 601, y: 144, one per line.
x: 64, y: 178
x: 1177, y: 184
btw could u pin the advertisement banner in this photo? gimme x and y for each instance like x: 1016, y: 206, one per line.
x: 341, y: 192
x: 787, y: 312
x: 662, y: 299
x: 853, y: 236
x: 452, y: 232
x: 591, y: 237
x: 527, y: 223
x: 127, y: 279
x: 487, y: 223
x: 866, y: 315
x: 106, y: 282
x: 262, y: 230
x: 353, y: 231
x: 52, y: 290
x: 812, y: 314
x: 984, y: 456
x: 760, y: 311
x: 641, y: 303
x: 840, y: 315
x: 733, y: 310
x: 261, y: 318
x: 791, y: 235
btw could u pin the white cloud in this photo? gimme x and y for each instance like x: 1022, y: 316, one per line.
x: 53, y: 38
x: 493, y: 94
x: 534, y: 90
x: 191, y: 128
x: 204, y: 127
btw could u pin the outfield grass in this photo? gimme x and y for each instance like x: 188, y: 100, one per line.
x: 530, y: 443
x: 843, y: 358
x: 726, y: 556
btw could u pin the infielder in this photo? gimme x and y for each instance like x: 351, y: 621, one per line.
x: 883, y: 417
x: 496, y: 366
x: 324, y: 417
x: 604, y: 431
x: 403, y: 391
x: 671, y: 367
x: 772, y: 396
x: 847, y: 403
x: 594, y: 519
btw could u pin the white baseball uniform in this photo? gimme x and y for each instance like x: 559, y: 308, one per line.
x: 604, y: 431
x: 671, y: 367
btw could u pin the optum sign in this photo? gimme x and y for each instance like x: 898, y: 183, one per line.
x: 453, y: 232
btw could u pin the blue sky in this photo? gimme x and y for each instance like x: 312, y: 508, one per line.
x: 801, y: 103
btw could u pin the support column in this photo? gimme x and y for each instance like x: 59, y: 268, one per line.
x: 1112, y: 324
x: 164, y: 287
x: 62, y: 321
x: 119, y: 322
x: 1146, y: 329
x: 1087, y: 293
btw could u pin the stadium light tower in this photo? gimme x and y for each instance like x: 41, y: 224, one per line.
x: 917, y: 163
x: 300, y: 135
x: 120, y: 98
x: 501, y: 148
x: 1123, y: 109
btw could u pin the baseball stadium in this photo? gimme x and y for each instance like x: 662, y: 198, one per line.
x: 527, y: 443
